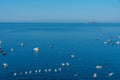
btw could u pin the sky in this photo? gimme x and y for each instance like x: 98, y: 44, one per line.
x: 59, y: 10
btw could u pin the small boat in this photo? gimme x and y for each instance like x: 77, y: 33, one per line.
x: 36, y: 49
x: 0, y: 42
x: 95, y: 75
x: 111, y: 74
x: 5, y: 65
x: 1, y: 50
x: 22, y: 44
x: 4, y: 53
x: 15, y: 74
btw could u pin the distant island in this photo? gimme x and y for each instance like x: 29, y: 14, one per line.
x: 93, y: 22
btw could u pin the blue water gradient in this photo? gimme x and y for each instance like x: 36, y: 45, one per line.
x: 66, y: 38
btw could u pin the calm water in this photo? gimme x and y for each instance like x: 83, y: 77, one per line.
x: 66, y: 39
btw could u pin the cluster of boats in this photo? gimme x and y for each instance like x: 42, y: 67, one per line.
x: 2, y: 51
x: 36, y: 50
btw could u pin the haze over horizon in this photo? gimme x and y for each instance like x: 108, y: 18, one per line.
x: 59, y: 10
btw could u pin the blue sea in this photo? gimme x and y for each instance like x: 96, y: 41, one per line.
x: 79, y: 46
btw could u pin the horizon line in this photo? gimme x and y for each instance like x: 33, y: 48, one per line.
x: 92, y: 22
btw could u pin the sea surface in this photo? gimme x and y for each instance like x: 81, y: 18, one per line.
x: 79, y: 44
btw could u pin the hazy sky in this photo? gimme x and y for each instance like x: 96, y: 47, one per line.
x: 60, y: 10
